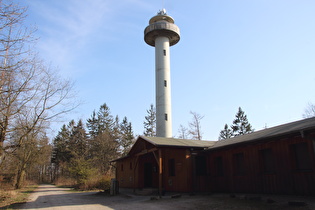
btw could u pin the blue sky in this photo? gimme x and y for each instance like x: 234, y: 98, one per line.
x: 258, y: 55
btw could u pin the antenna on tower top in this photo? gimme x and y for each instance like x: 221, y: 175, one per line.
x: 162, y: 12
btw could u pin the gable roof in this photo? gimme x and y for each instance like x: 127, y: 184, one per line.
x: 167, y: 142
x: 277, y: 131
x: 285, y: 129
x: 172, y: 142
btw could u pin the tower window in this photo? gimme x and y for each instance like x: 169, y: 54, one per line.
x: 166, y: 117
x: 164, y: 51
x: 165, y: 83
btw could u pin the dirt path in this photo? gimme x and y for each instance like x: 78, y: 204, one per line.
x: 52, y: 197
x: 49, y: 197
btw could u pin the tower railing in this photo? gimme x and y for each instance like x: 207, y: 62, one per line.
x: 161, y: 26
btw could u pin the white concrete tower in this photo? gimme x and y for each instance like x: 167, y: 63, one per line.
x: 161, y: 34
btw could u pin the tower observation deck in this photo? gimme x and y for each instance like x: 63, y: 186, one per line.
x: 161, y: 25
x: 161, y: 34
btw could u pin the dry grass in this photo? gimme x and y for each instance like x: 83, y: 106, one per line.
x: 9, y: 196
x: 94, y: 183
x: 65, y: 182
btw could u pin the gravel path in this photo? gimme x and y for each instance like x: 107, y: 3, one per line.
x: 50, y: 197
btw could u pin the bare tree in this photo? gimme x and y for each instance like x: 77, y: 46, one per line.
x: 183, y: 132
x: 31, y: 95
x: 195, y: 126
x: 32, y: 152
x: 309, y: 111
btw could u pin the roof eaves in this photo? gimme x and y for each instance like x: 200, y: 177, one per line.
x: 121, y: 158
x: 263, y: 137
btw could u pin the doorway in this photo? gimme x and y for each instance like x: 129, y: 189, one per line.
x: 148, y: 174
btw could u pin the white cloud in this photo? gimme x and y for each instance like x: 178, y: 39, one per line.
x: 65, y: 27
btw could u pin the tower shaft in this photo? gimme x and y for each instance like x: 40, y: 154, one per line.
x: 163, y: 87
x: 161, y: 34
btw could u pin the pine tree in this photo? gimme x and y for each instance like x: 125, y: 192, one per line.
x: 93, y: 125
x: 102, y: 121
x: 226, y: 133
x: 241, y: 125
x: 126, y: 136
x: 60, y: 153
x: 150, y: 122
x: 104, y: 137
x: 105, y: 119
x: 78, y: 140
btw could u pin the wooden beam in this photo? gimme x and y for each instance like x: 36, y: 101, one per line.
x: 160, y: 172
x: 156, y: 158
x: 134, y: 174
x: 145, y: 151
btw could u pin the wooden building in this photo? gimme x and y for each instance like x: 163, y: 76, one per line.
x: 275, y: 160
x: 280, y: 159
x: 163, y: 163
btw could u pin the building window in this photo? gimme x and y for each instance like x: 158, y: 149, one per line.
x: 218, y: 163
x: 266, y: 161
x: 300, y: 156
x: 239, y: 164
x: 164, y: 52
x: 201, y: 165
x: 171, y: 167
x: 165, y: 83
x: 165, y: 117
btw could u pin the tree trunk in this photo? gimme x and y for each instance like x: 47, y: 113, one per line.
x: 20, y: 176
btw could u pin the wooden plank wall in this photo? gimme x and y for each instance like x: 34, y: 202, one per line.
x: 285, y: 179
x: 182, y: 181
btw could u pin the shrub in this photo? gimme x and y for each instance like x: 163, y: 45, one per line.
x: 65, y: 182
x: 104, y: 183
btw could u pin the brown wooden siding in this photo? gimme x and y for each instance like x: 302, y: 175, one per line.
x: 280, y: 175
x: 182, y: 181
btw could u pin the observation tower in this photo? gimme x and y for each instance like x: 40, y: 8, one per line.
x: 161, y: 34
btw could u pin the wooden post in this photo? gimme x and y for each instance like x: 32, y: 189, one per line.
x: 134, y: 174
x: 160, y: 173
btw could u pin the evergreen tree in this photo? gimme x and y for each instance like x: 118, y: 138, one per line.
x: 116, y: 129
x: 240, y: 124
x: 93, y: 125
x: 78, y: 140
x: 104, y: 148
x: 60, y: 152
x: 105, y: 119
x: 226, y: 133
x: 100, y: 122
x: 104, y: 136
x: 150, y: 122
x: 126, y: 136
